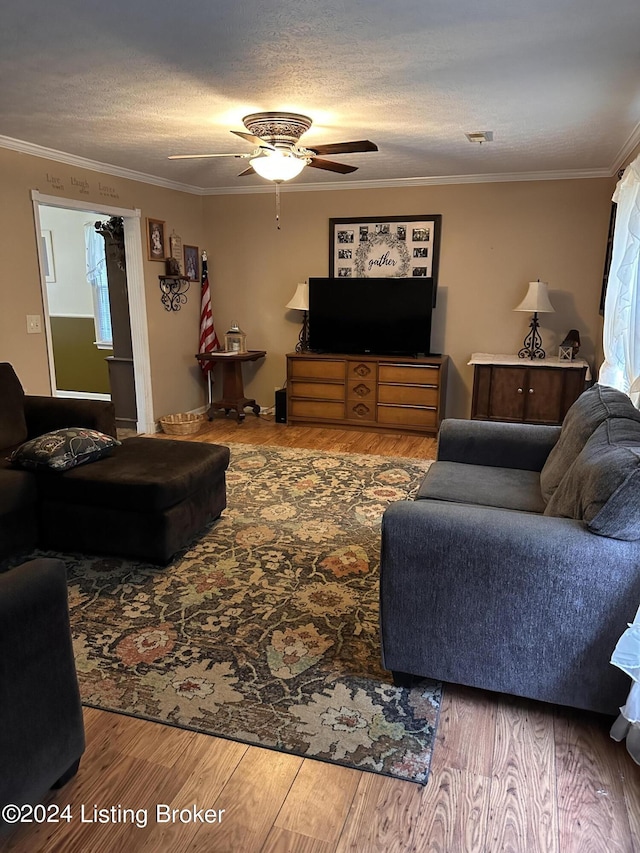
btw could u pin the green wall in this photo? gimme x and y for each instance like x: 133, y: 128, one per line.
x: 79, y: 364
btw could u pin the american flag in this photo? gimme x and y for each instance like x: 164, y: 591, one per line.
x: 208, y: 339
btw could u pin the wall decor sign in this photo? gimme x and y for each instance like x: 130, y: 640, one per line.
x: 175, y: 244
x: 393, y: 247
x: 156, y: 250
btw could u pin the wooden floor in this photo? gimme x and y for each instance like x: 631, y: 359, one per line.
x: 508, y: 775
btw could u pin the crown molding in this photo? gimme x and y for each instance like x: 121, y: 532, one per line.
x: 438, y: 180
x: 627, y: 150
x: 329, y: 186
x: 93, y: 165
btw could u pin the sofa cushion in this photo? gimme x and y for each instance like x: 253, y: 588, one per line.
x: 509, y: 488
x: 63, y: 449
x: 13, y: 426
x: 602, y: 487
x: 143, y: 475
x: 587, y: 413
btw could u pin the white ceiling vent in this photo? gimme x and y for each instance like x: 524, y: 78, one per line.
x: 480, y: 136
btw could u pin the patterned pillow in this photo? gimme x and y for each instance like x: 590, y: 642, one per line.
x: 62, y: 449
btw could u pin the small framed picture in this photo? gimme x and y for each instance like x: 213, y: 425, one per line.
x: 191, y: 263
x: 156, y: 246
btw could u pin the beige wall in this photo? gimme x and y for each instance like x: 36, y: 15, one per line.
x: 173, y: 336
x: 495, y: 238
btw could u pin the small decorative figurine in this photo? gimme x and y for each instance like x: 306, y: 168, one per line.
x: 570, y: 346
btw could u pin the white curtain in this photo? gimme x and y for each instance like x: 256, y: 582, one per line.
x: 621, y: 369
x: 627, y: 657
x: 621, y: 337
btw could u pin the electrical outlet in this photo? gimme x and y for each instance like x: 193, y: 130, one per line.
x: 34, y: 324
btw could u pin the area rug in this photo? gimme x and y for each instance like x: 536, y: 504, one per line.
x: 265, y: 630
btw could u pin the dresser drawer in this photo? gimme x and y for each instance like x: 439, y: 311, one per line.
x: 316, y: 390
x: 413, y: 374
x: 362, y: 370
x: 359, y: 389
x: 407, y: 416
x: 316, y: 409
x: 412, y: 395
x: 301, y: 368
x: 361, y: 410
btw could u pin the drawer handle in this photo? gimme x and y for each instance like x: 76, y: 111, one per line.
x: 531, y: 390
x: 361, y: 390
x: 362, y: 370
x: 519, y: 390
x: 361, y: 410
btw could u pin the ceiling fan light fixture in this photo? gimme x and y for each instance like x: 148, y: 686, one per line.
x: 276, y: 166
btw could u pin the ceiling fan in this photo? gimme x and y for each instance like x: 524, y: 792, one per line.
x: 277, y: 153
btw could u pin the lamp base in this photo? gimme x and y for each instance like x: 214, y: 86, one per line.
x: 532, y: 348
x: 303, y: 337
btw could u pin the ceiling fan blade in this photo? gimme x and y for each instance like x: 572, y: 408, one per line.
x: 330, y: 166
x: 253, y: 140
x: 249, y: 171
x: 205, y: 156
x: 344, y: 147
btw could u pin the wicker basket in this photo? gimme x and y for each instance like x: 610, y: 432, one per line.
x: 183, y: 424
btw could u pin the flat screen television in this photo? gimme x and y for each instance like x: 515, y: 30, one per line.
x: 381, y: 316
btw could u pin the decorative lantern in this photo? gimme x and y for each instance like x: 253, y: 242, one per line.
x: 235, y: 339
x: 565, y: 353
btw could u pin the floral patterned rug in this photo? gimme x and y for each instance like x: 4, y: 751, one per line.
x: 266, y: 629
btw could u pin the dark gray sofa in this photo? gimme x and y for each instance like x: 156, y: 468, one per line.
x: 41, y: 726
x: 145, y: 500
x: 517, y: 567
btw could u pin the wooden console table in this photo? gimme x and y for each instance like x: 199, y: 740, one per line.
x: 232, y: 385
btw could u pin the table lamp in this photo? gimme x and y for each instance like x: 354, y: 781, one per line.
x: 300, y: 302
x: 536, y: 300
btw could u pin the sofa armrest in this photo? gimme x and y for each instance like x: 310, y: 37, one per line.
x: 509, y: 601
x: 494, y: 443
x: 44, y: 414
x: 41, y: 726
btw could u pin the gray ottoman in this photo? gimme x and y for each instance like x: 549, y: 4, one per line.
x: 147, y: 500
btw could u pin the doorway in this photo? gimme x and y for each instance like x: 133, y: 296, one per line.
x: 77, y: 304
x: 46, y: 209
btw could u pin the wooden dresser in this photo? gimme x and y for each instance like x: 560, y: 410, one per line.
x: 371, y: 391
x: 506, y: 388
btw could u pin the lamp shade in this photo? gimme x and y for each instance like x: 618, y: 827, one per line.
x: 276, y: 166
x: 300, y: 299
x: 537, y: 299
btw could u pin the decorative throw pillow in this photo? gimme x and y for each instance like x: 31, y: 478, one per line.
x: 63, y: 449
x: 602, y: 487
x: 587, y: 413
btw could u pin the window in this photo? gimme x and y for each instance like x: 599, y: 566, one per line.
x: 97, y: 278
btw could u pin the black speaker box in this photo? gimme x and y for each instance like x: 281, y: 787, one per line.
x: 281, y: 406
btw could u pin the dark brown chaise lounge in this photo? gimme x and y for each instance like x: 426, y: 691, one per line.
x: 145, y: 500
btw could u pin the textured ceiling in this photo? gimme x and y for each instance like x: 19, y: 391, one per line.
x: 129, y: 82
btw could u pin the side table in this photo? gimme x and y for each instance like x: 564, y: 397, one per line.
x: 521, y: 390
x: 232, y: 384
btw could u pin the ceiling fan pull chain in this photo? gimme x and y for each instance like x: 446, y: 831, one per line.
x: 278, y: 206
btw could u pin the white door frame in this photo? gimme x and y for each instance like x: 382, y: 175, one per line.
x: 135, y: 291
